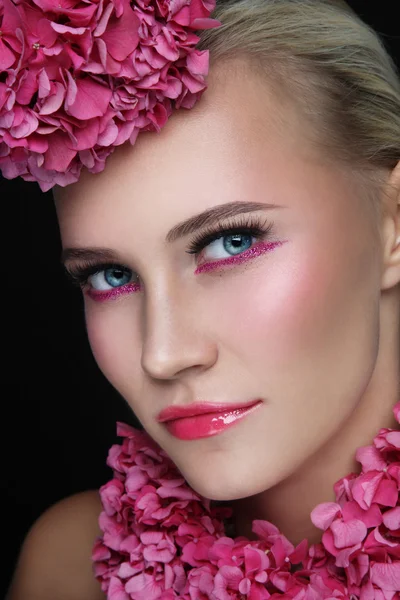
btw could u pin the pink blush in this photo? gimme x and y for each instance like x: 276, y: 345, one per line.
x: 113, y: 294
x: 257, y: 250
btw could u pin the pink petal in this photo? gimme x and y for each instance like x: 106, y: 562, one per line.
x: 54, y: 101
x: 365, y: 487
x: 136, y: 478
x: 343, y: 557
x: 231, y: 576
x: 367, y: 592
x: 265, y: 530
x: 386, y: 576
x: 46, y: 33
x: 143, y: 587
x: 11, y: 169
x: 348, y: 534
x: 151, y: 537
x: 255, y: 560
x: 11, y: 17
x: 116, y: 591
x: 77, y: 61
x: 386, y: 493
x: 193, y: 84
x: 85, y: 137
x: 109, y: 135
x: 393, y: 437
x: 245, y: 586
x: 59, y: 155
x: 370, y: 459
x: 44, y: 85
x: 7, y: 58
x: 323, y: 515
x: 383, y: 540
x: 121, y: 35
x: 163, y: 555
x: 197, y: 62
x: 72, y: 91
x: 28, y: 126
x: 371, y: 517
x: 391, y: 518
x: 6, y: 120
x: 91, y: 100
x: 38, y: 143
x: 105, y: 17
x: 65, y: 29
x: 28, y: 88
x: 173, y: 88
x: 87, y: 158
x: 299, y: 553
x: 166, y: 47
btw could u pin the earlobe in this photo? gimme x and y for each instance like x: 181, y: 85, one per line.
x: 391, y: 231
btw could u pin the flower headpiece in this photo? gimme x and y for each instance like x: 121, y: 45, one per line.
x: 80, y: 77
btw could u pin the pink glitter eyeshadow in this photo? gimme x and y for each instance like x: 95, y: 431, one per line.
x: 253, y: 252
x: 113, y: 294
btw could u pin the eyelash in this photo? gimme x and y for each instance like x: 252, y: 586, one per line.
x: 250, y: 225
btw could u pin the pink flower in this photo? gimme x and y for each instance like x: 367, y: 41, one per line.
x: 80, y: 78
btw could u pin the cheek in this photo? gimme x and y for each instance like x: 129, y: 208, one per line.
x: 114, y: 339
x: 308, y: 314
x: 275, y: 308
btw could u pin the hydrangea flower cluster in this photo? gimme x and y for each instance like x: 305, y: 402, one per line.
x: 162, y: 541
x: 80, y: 77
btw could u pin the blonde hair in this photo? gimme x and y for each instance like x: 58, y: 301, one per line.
x: 331, y: 62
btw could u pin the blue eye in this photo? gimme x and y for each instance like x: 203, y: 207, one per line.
x: 117, y: 277
x: 233, y: 238
x: 109, y: 278
x: 229, y: 245
x: 235, y: 244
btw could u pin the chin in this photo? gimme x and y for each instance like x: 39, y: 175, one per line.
x: 227, y: 485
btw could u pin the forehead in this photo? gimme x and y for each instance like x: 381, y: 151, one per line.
x: 219, y: 151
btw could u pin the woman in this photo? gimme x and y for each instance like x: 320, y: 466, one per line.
x: 241, y: 276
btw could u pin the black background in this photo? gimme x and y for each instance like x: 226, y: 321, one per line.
x: 59, y: 412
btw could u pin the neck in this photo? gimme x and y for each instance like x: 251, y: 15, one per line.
x: 288, y: 504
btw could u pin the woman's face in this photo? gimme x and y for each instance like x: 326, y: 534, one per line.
x: 292, y: 321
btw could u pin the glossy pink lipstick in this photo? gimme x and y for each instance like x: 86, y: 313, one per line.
x: 204, y: 419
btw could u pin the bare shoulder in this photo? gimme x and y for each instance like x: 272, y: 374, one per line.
x: 55, y: 559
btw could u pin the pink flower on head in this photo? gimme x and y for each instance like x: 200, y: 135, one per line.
x: 81, y: 78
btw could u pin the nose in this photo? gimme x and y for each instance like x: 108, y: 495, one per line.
x: 174, y: 339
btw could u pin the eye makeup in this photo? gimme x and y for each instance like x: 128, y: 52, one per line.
x: 80, y: 275
x: 259, y: 249
x: 113, y: 294
x: 249, y: 226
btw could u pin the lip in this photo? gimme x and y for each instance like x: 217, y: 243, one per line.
x: 204, y: 419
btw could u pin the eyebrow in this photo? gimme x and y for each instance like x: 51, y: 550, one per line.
x: 208, y: 217
x: 191, y: 225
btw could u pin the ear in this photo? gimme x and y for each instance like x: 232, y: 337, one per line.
x: 391, y: 231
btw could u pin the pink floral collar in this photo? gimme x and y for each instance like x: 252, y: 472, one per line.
x: 161, y: 540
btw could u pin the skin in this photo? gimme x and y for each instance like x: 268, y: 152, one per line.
x: 311, y: 328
